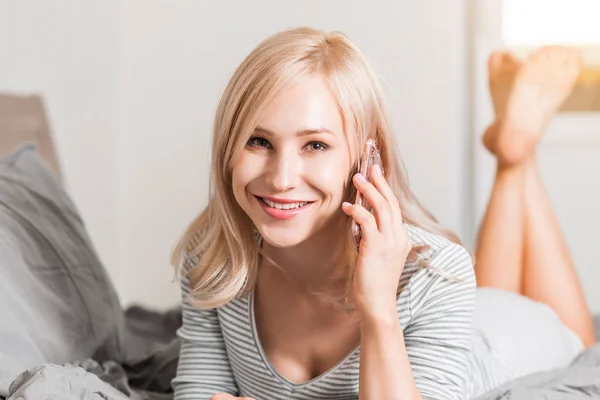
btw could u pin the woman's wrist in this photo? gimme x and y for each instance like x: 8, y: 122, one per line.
x: 385, y: 370
x: 379, y: 318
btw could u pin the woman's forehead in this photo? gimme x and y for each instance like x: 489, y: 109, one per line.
x: 306, y: 104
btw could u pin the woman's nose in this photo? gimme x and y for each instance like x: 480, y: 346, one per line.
x: 284, y: 172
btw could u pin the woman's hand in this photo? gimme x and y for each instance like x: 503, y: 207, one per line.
x: 227, y: 396
x: 383, y: 248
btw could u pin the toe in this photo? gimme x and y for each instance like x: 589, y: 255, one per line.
x: 511, y: 62
x: 535, y: 56
x: 573, y: 60
x: 576, y: 57
x: 550, y: 53
x: 566, y: 54
x: 495, y: 60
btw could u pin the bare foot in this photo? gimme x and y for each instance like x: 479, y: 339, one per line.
x: 541, y: 85
x: 502, y: 70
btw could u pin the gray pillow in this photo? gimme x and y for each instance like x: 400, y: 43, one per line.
x: 57, y: 304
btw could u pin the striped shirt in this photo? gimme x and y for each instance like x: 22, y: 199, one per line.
x: 221, y: 351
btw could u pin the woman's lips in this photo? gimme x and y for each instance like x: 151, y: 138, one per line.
x: 279, y: 213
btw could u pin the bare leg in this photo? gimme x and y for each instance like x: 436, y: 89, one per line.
x: 499, y: 251
x: 549, y: 275
x: 500, y: 244
x: 544, y: 270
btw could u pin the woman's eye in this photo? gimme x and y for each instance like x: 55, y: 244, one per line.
x: 258, y: 142
x: 317, y: 146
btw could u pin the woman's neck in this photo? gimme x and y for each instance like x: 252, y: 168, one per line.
x: 317, y: 264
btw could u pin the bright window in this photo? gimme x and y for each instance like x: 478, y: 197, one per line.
x: 532, y: 23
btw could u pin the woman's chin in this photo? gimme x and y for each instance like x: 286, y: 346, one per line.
x: 282, y: 238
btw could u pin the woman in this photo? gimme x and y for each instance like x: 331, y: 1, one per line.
x: 278, y: 302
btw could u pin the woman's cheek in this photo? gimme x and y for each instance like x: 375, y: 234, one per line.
x: 248, y: 167
x: 329, y: 176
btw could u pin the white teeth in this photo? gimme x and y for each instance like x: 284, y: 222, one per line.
x: 284, y: 206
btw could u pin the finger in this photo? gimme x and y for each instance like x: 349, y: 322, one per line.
x: 381, y: 208
x: 363, y: 218
x: 381, y: 184
x: 222, y: 396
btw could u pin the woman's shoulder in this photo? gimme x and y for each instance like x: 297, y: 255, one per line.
x: 445, y: 267
x: 434, y: 241
x: 438, y: 251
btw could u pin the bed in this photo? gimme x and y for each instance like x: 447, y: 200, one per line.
x: 63, y: 333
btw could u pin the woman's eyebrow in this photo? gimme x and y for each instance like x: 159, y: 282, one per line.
x: 304, y: 132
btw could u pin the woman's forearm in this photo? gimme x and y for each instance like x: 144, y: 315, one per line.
x: 385, y: 370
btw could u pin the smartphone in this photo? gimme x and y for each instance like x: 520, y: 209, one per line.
x: 369, y: 158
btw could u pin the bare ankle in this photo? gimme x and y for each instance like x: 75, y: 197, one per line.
x: 514, y: 145
x: 510, y: 170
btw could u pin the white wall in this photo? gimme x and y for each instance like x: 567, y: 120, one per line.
x: 132, y: 87
x: 68, y: 52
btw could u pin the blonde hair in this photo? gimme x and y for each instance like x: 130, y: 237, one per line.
x: 223, y: 234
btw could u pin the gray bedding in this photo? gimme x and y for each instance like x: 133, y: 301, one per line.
x: 152, y: 350
x: 63, y: 334
x: 580, y: 380
x: 156, y: 345
x: 57, y: 303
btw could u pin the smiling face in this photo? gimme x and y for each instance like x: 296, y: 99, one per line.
x: 291, y: 177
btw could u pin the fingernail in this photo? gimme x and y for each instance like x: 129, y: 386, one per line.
x: 361, y: 177
x: 346, y: 204
x: 377, y: 169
